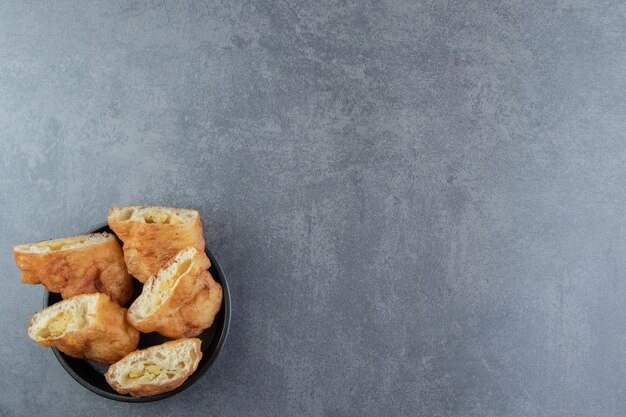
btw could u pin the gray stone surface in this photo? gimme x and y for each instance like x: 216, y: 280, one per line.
x: 419, y: 205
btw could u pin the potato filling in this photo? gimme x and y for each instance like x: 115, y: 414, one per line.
x: 154, y: 215
x: 149, y: 371
x: 60, y: 243
x: 59, y: 323
x: 160, y: 217
x: 168, y: 283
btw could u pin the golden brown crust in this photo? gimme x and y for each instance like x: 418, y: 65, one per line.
x: 199, y: 314
x: 107, y: 338
x: 97, y: 267
x: 149, y: 389
x: 149, y: 246
x: 190, y: 308
x: 188, y: 319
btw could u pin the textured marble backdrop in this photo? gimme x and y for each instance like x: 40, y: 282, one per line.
x: 419, y: 205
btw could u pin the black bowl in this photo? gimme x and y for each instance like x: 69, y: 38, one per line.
x: 91, y: 374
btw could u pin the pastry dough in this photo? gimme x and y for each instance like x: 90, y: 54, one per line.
x: 181, y: 300
x: 76, y: 265
x: 88, y: 326
x: 153, y: 235
x: 156, y: 369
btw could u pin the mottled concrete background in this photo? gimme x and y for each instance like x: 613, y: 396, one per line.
x: 419, y: 205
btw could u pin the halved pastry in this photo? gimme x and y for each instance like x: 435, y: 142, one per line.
x: 181, y: 300
x: 153, y: 235
x: 76, y: 265
x: 155, y: 370
x: 88, y: 326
